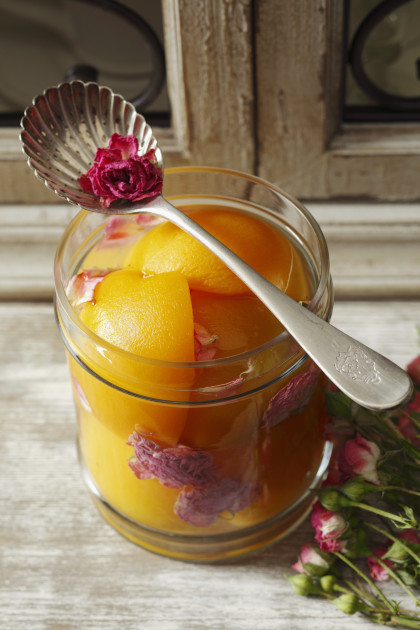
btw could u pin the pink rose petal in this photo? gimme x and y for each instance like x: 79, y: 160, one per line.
x: 173, y: 467
x: 359, y: 457
x: 204, y: 343
x: 228, y: 388
x: 329, y: 527
x: 410, y: 535
x: 120, y: 231
x: 292, y: 398
x: 377, y: 572
x: 406, y: 425
x: 413, y: 370
x: 127, y: 145
x: 81, y: 396
x: 203, y: 506
x: 81, y: 287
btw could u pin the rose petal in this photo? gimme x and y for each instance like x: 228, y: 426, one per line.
x: 81, y: 287
x: 203, y: 506
x: 127, y: 145
x: 413, y: 369
x: 327, y: 524
x: 119, y: 172
x: 225, y: 388
x: 377, y: 572
x: 204, y: 343
x: 173, y: 467
x: 292, y: 398
x: 359, y: 457
x: 81, y: 396
x: 410, y: 535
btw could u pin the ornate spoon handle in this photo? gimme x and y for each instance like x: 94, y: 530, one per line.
x: 366, y: 376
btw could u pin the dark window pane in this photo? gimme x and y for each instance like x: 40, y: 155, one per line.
x: 382, y: 74
x: 46, y: 42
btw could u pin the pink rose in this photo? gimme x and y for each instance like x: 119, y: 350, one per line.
x: 334, y: 477
x: 329, y: 527
x: 311, y: 561
x: 410, y: 535
x: 119, y: 172
x: 413, y: 369
x: 406, y: 426
x: 377, y: 572
x: 359, y: 457
x: 408, y: 430
x: 337, y: 431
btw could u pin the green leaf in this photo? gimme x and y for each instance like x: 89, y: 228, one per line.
x: 408, y: 578
x: 338, y: 404
x: 409, y: 448
x: 398, y: 552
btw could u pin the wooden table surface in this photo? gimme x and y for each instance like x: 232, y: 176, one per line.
x: 63, y: 568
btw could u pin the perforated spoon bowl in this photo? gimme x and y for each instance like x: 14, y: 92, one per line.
x: 61, y: 132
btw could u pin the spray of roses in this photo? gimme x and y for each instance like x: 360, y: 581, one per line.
x: 366, y: 517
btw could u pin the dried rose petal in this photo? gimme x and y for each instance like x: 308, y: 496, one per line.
x: 147, y: 220
x: 225, y: 388
x: 119, y: 172
x: 127, y: 145
x: 377, y: 571
x: 203, y: 506
x: 204, y: 343
x: 81, y: 287
x: 116, y: 225
x: 292, y: 398
x: 121, y: 231
x: 174, y: 467
x: 81, y: 396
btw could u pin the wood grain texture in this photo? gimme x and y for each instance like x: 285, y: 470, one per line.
x: 303, y: 144
x: 218, y: 74
x: 290, y: 81
x: 63, y: 568
x: 373, y: 248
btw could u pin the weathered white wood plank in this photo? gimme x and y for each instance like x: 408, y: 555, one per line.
x: 374, y: 248
x: 303, y: 144
x: 63, y: 568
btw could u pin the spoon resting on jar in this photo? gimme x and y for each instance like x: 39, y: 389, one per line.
x: 61, y: 132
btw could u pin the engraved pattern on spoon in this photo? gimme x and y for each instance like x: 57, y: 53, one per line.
x: 357, y: 365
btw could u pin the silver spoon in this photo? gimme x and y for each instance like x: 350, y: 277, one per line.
x: 61, y: 132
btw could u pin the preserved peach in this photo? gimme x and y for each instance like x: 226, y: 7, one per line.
x: 168, y: 248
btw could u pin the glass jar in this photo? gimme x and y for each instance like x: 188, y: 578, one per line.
x: 208, y: 459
